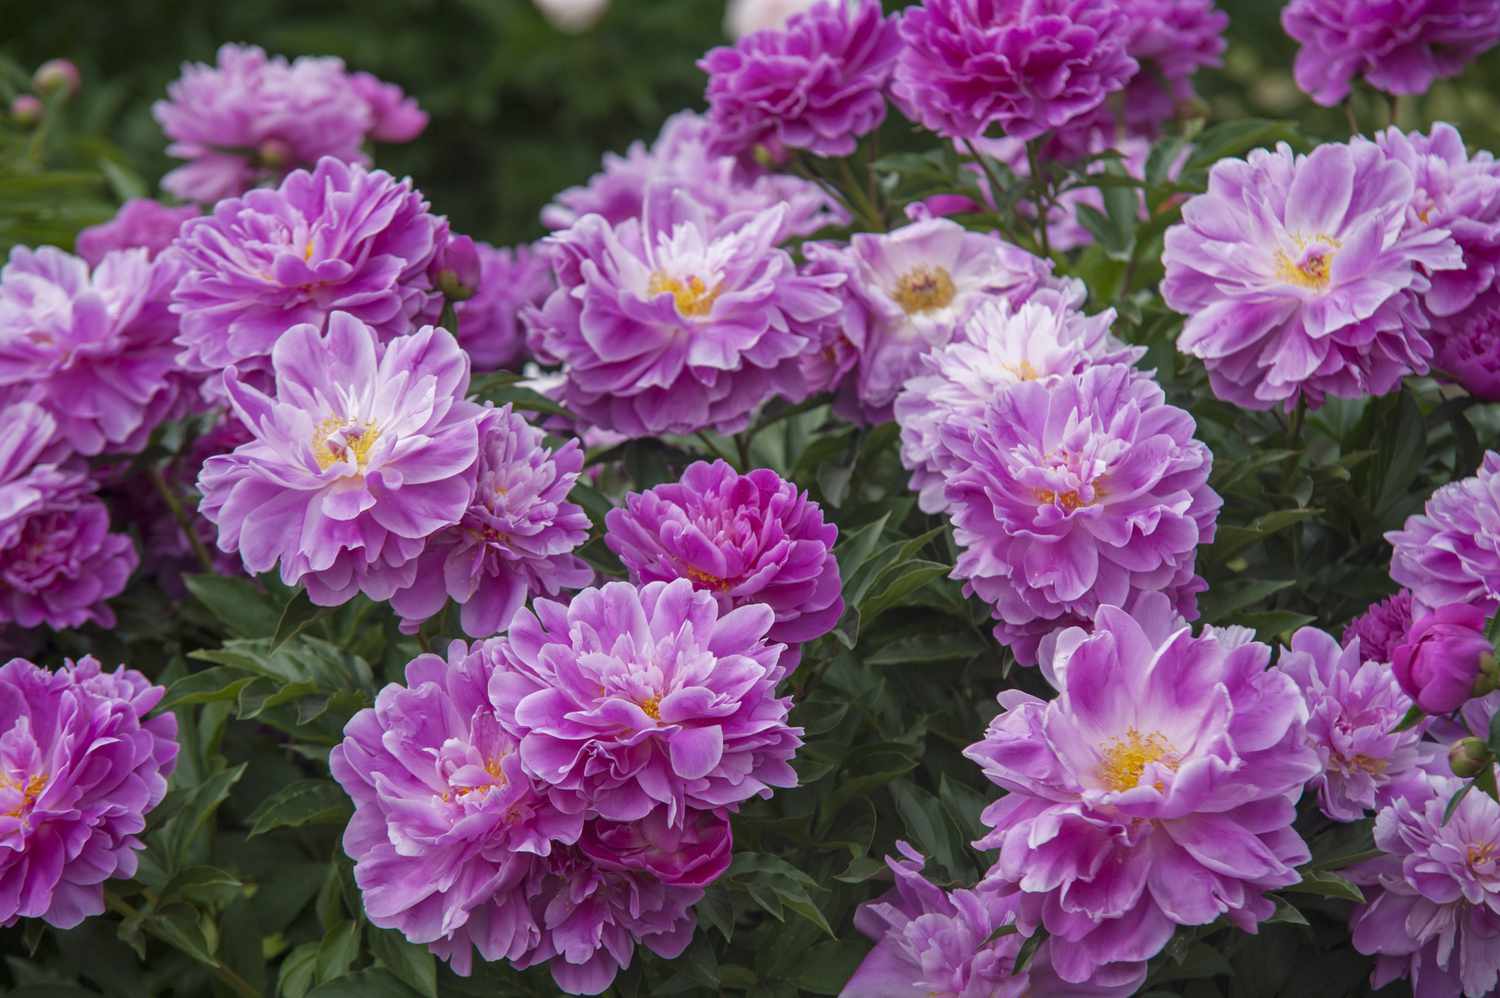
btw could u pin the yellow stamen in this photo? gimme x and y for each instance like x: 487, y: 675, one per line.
x: 353, y: 442
x: 693, y: 298
x: 1023, y: 371
x: 308, y: 252
x: 704, y: 579
x: 1312, y: 269
x: 1125, y: 759
x: 652, y: 706
x: 1483, y: 852
x: 925, y: 289
x: 30, y: 791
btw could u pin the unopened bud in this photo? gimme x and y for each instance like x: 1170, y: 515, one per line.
x: 1469, y: 757
x: 57, y: 77
x: 458, y: 269
x: 26, y: 110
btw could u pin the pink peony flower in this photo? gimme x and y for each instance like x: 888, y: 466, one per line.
x: 1438, y: 660
x: 694, y: 854
x: 1451, y: 552
x: 1381, y: 627
x: 489, y: 323
x: 140, y: 222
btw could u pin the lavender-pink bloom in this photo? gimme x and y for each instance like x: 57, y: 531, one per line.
x: 744, y: 539
x: 516, y: 538
x: 646, y: 699
x: 1438, y: 660
x: 676, y: 322
x: 362, y: 455
x: 1171, y: 40
x: 80, y: 766
x: 340, y: 238
x: 1468, y: 347
x: 1399, y: 46
x: 1451, y: 552
x: 999, y: 346
x: 94, y: 349
x: 1381, y: 627
x: 934, y: 942
x: 1157, y: 790
x: 489, y: 323
x: 140, y: 222
x: 1353, y: 709
x: 1070, y: 496
x: 394, y: 117
x: 1300, y: 278
x: 1030, y: 66
x: 815, y: 83
x: 693, y: 854
x: 1433, y: 911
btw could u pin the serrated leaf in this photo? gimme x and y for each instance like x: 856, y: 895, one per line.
x: 302, y: 803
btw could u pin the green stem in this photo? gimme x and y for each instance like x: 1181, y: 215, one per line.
x: 716, y: 451
x: 231, y: 980
x: 184, y: 522
x: 1043, y: 202
x: 857, y: 198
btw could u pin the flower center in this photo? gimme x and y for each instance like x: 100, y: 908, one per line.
x: 29, y: 791
x: 924, y: 289
x: 705, y: 579
x: 1125, y: 759
x: 693, y: 298
x: 652, y: 706
x: 337, y: 440
x: 1483, y: 852
x: 1023, y: 371
x: 1312, y: 265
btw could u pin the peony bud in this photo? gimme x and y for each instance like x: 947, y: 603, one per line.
x: 26, y: 110
x: 1438, y: 661
x: 56, y: 77
x: 456, y: 269
x: 1469, y: 757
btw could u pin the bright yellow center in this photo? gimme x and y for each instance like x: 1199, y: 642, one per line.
x: 1312, y: 267
x: 924, y: 289
x: 1023, y: 371
x: 335, y: 440
x: 1069, y: 500
x: 491, y: 766
x: 652, y: 707
x: 30, y: 791
x: 693, y: 298
x: 1483, y: 852
x: 308, y: 252
x: 704, y: 579
x: 1125, y: 759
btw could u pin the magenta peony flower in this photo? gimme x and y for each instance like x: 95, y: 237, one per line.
x: 1381, y: 627
x: 934, y: 942
x: 675, y: 322
x: 1298, y: 278
x: 906, y: 292
x: 1171, y: 40
x: 360, y: 457
x: 1070, y: 496
x: 447, y: 825
x: 1438, y: 660
x: 1399, y: 46
x: 140, y: 222
x: 250, y: 119
x: 489, y: 323
x: 338, y: 239
x: 680, y: 157
x: 1451, y: 552
x: 516, y: 538
x: 1433, y: 911
x: 999, y: 346
x: 646, y: 699
x: 58, y: 560
x: 693, y: 855
x: 1468, y: 347
x: 80, y: 766
x: 94, y: 350
x: 743, y: 539
x: 1353, y: 708
x: 1030, y: 66
x: 1157, y: 790
x: 815, y: 83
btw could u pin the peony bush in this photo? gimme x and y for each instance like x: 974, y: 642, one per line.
x: 952, y: 515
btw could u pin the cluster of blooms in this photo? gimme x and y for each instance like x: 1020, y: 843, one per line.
x: 251, y: 118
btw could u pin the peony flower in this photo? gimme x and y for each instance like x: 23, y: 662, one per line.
x: 489, y: 323
x: 339, y: 239
x: 1070, y: 496
x: 250, y: 119
x: 58, y: 560
x: 1353, y: 706
x: 742, y: 17
x: 1438, y: 660
x: 906, y: 292
x: 447, y: 827
x: 140, y: 222
x: 360, y: 457
x: 516, y: 538
x: 1381, y: 627
x: 1298, y: 278
x: 1029, y: 66
x: 999, y: 346
x: 694, y: 854
x: 817, y: 83
x: 646, y: 699
x: 934, y: 942
x: 1399, y: 46
x: 1157, y: 790
x: 1468, y: 347
x: 744, y: 539
x: 1433, y: 903
x: 1170, y: 40
x: 680, y: 157
x: 675, y: 322
x: 80, y: 766
x: 93, y: 349
x: 1451, y: 552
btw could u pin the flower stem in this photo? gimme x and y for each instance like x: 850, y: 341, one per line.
x: 231, y: 980
x: 184, y: 522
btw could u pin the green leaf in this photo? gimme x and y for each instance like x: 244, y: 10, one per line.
x: 1028, y: 949
x: 1234, y: 138
x: 239, y: 604
x: 1273, y: 625
x: 1456, y: 799
x: 1326, y: 883
x: 413, y: 964
x: 957, y: 645
x: 795, y: 897
x: 827, y: 967
x: 204, y: 885
x: 913, y: 576
x: 198, y: 805
x: 853, y: 550
x: 370, y: 983
x: 219, y: 683
x: 306, y: 802
x: 717, y: 910
x: 297, y: 968
x: 1493, y: 740
x: 1287, y: 914
x: 503, y: 387
x: 299, y: 612
x: 337, y: 951
x: 1410, y: 719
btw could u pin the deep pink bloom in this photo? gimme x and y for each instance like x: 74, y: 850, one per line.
x: 93, y: 349
x: 80, y: 766
x: 1070, y: 496
x: 693, y: 855
x: 1157, y: 790
x: 744, y: 539
x: 1381, y: 627
x: 1171, y: 40
x: 517, y: 537
x: 489, y: 323
x: 1468, y: 347
x: 341, y: 238
x: 1029, y: 66
x: 646, y: 699
x: 1300, y: 278
x: 815, y: 83
x: 394, y: 117
x: 676, y: 322
x: 1433, y: 911
x: 58, y: 560
x: 1399, y: 46
x: 360, y: 457
x: 140, y: 222
x: 934, y: 942
x: 1438, y: 660
x: 1451, y: 552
